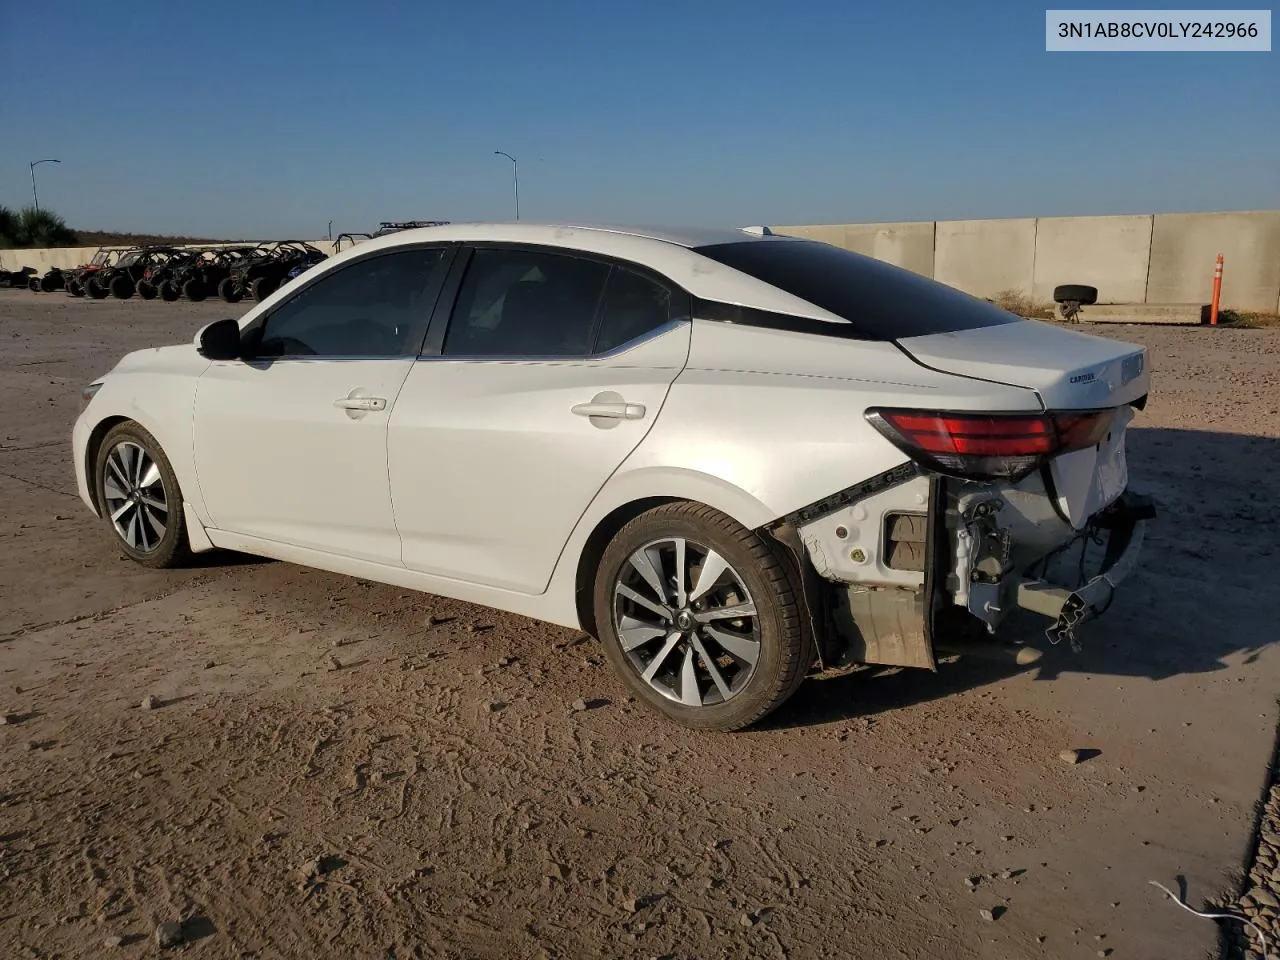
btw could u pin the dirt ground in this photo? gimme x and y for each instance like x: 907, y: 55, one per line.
x: 341, y: 769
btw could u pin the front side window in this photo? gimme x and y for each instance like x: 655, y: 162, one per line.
x: 525, y: 303
x: 378, y: 307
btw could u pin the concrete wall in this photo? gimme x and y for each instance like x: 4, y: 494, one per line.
x: 1160, y: 258
x: 1184, y: 247
x: 908, y: 245
x: 1110, y: 253
x: 985, y: 257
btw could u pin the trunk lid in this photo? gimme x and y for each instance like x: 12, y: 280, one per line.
x: 1069, y: 370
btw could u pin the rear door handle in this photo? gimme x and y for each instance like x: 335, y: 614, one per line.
x: 361, y: 403
x: 611, y: 411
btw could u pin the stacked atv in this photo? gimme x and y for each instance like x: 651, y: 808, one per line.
x: 267, y: 268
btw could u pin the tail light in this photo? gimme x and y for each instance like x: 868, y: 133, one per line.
x: 989, y: 446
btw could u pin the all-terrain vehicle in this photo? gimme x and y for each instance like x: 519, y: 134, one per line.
x: 55, y: 278
x: 83, y: 280
x: 17, y: 279
x: 268, y: 268
x: 157, y: 276
x: 121, y: 278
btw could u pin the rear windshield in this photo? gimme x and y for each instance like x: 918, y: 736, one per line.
x: 880, y: 301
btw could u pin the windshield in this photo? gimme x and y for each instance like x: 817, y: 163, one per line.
x: 880, y: 301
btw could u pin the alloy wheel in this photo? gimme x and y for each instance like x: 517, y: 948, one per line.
x: 136, y: 500
x: 686, y: 622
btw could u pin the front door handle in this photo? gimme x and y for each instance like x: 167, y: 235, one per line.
x: 361, y: 403
x: 610, y: 411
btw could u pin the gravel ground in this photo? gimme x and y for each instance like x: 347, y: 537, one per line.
x: 277, y: 762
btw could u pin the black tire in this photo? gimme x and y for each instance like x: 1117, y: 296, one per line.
x: 194, y: 290
x: 94, y: 289
x: 147, y: 290
x: 168, y: 291
x: 228, y: 291
x: 74, y: 288
x: 262, y: 288
x: 121, y: 286
x: 784, y: 652
x: 34, y: 285
x: 1075, y: 291
x: 171, y: 548
x: 47, y: 284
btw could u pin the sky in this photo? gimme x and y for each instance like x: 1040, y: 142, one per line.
x: 243, y: 121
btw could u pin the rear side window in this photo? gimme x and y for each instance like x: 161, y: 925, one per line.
x: 880, y: 301
x: 524, y: 303
x: 633, y: 306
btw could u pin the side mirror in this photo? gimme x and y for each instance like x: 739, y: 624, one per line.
x: 219, y: 340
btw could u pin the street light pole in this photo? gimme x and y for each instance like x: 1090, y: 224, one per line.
x: 33, y: 164
x: 515, y: 177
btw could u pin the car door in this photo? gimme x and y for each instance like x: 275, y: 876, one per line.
x: 548, y: 371
x: 291, y: 440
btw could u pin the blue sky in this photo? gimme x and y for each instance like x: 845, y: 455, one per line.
x: 224, y: 119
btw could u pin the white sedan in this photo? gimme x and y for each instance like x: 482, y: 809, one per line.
x: 733, y: 457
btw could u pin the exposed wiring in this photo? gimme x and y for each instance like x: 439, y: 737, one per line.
x: 1262, y: 937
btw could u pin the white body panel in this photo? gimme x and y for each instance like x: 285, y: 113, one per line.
x: 278, y: 460
x: 1070, y: 370
x: 491, y: 468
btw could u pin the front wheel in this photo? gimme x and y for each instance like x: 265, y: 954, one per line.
x: 700, y: 617
x: 228, y: 290
x: 146, y: 290
x: 193, y: 290
x: 140, y: 498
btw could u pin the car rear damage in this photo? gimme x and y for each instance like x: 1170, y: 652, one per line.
x: 988, y: 515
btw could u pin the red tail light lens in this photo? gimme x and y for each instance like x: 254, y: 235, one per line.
x: 989, y: 446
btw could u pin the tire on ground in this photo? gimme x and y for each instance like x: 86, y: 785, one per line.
x: 194, y: 290
x: 787, y: 649
x: 74, y: 288
x: 46, y: 284
x: 95, y: 289
x: 168, y: 291
x: 228, y: 291
x: 174, y: 548
x: 121, y: 286
x: 1078, y: 292
x: 147, y: 290
x: 262, y: 288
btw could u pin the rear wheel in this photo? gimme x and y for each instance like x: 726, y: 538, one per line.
x: 95, y: 289
x: 193, y: 290
x: 228, y: 291
x: 700, y: 618
x: 74, y: 288
x: 140, y: 497
x: 121, y: 287
x: 168, y: 291
x: 35, y: 286
x: 146, y: 290
x: 262, y: 288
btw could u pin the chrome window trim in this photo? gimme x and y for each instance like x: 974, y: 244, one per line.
x: 621, y: 348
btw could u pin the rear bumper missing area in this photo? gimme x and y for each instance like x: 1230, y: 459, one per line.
x: 1124, y: 523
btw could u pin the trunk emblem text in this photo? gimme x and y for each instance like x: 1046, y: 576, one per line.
x: 1083, y: 378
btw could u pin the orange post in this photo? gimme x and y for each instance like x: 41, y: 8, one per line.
x: 1217, y: 292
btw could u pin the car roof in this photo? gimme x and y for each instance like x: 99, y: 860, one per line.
x: 671, y: 252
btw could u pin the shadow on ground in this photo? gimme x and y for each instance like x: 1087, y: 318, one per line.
x: 1204, y: 589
